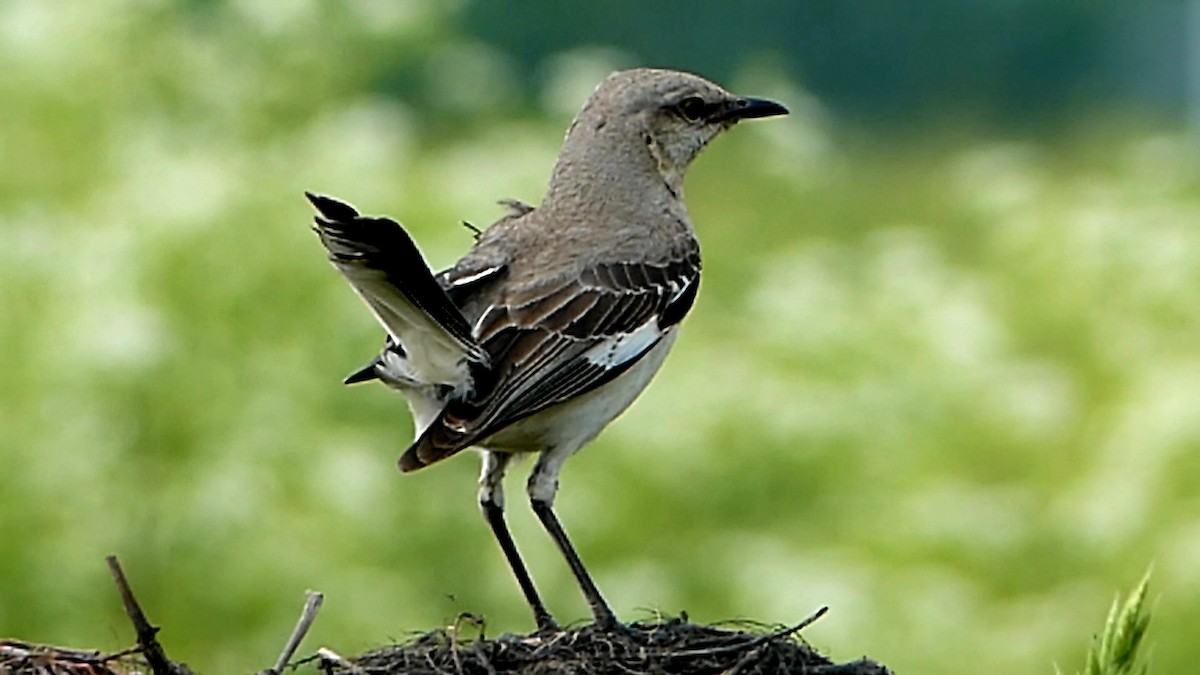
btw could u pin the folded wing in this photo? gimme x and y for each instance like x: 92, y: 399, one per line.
x: 559, y: 339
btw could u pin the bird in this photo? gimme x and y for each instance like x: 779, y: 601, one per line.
x: 559, y: 315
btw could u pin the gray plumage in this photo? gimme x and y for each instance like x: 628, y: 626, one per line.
x: 559, y: 315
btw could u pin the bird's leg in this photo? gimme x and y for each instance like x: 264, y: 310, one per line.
x: 543, y: 484
x: 600, y: 609
x: 491, y: 502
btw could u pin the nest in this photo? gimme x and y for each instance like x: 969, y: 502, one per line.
x: 25, y: 658
x: 673, y: 646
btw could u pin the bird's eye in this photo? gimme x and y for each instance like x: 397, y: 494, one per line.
x: 692, y: 108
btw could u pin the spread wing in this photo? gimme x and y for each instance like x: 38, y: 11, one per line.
x: 385, y: 268
x: 559, y: 339
x: 461, y: 283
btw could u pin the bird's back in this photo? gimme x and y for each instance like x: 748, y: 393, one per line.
x: 569, y: 309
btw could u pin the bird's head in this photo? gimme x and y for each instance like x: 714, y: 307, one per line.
x: 675, y: 114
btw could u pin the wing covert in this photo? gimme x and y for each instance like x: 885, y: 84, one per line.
x: 558, y: 340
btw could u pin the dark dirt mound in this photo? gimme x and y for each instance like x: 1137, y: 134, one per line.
x: 674, y: 646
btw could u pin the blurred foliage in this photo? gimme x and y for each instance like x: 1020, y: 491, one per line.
x: 1011, y: 61
x: 945, y: 383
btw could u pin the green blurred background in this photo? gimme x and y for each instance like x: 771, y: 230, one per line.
x: 943, y: 375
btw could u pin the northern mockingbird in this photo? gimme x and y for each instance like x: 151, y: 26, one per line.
x: 557, y: 318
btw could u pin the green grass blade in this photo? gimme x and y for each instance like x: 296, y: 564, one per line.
x: 1117, y: 650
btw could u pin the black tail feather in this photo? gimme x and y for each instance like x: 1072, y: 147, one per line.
x: 330, y: 208
x: 382, y: 245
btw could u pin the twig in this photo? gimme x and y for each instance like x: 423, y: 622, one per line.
x: 454, y: 633
x: 475, y: 231
x: 146, y: 632
x: 762, y: 639
x: 477, y: 648
x: 329, y: 657
x: 747, y: 659
x: 312, y: 605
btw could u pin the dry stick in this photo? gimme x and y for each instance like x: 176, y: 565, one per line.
x: 744, y: 662
x: 762, y: 639
x: 328, y: 656
x: 146, y: 633
x: 455, y: 630
x: 477, y: 648
x: 312, y: 604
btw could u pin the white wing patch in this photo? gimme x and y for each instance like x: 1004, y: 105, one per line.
x: 623, y: 347
x: 678, y: 289
x: 470, y: 278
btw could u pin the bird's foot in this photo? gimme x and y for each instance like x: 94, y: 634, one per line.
x: 610, y: 624
x: 546, y: 625
x: 607, y: 621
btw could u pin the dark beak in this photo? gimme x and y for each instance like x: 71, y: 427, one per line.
x: 751, y: 108
x: 364, y: 374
